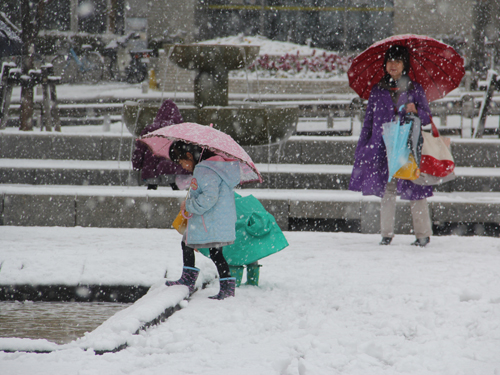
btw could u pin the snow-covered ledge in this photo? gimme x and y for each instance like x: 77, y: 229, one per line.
x: 113, y: 335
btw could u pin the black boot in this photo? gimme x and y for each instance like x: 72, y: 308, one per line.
x: 188, y: 278
x: 422, y: 242
x: 227, y: 287
x: 385, y: 241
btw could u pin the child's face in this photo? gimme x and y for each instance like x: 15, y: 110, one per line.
x: 187, y: 164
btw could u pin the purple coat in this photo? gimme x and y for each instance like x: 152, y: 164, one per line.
x: 143, y: 159
x: 370, y: 172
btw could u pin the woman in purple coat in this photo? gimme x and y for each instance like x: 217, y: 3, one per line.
x: 152, y: 166
x: 370, y: 172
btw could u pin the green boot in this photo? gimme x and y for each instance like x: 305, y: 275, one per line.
x: 237, y: 273
x: 253, y: 273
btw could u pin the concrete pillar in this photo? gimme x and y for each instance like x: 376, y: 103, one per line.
x: 495, y: 26
x: 481, y: 11
x: 74, y: 15
x: 110, y: 22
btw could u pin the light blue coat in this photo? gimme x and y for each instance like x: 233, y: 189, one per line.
x: 211, y: 202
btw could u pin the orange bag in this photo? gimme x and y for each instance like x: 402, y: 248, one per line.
x: 409, y: 171
x: 180, y: 222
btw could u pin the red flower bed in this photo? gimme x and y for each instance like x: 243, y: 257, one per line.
x: 294, y: 63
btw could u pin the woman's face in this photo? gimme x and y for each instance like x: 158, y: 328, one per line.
x: 394, y: 68
x: 187, y: 164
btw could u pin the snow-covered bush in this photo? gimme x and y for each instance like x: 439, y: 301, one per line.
x: 322, y: 65
x: 279, y: 59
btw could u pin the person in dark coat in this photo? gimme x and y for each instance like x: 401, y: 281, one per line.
x: 370, y: 173
x: 152, y: 166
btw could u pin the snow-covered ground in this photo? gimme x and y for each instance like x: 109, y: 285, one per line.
x: 267, y: 46
x: 330, y: 303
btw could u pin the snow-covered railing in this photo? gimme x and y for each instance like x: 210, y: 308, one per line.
x: 12, y: 76
x: 493, y: 84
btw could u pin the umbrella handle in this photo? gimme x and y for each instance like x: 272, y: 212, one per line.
x: 435, y: 131
x: 189, y: 216
x: 400, y: 112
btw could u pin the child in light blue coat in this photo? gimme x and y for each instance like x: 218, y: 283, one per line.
x: 212, y: 212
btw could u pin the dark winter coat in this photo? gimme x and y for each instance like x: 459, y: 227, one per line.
x: 370, y: 172
x: 152, y: 166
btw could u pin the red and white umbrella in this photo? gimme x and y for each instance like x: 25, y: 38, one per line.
x: 214, y: 140
x: 435, y: 65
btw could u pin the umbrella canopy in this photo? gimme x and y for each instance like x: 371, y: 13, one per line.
x: 396, y: 142
x: 434, y: 65
x: 216, y: 141
x: 10, y: 43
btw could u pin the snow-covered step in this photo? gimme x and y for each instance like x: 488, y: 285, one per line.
x: 67, y: 172
x: 136, y: 207
x: 337, y: 177
x: 64, y: 146
x: 276, y: 176
x: 297, y: 150
x: 155, y: 307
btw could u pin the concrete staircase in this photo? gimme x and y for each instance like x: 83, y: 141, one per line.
x: 302, y: 163
x: 66, y: 180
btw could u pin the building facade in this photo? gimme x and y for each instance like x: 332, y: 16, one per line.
x: 346, y: 25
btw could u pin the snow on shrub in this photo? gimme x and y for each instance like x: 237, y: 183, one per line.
x: 324, y: 65
x: 287, y: 60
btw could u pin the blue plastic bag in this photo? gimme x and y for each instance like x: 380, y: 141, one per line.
x: 395, y: 136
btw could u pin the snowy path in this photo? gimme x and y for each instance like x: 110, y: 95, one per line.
x: 264, y: 168
x: 331, y: 303
x: 273, y: 194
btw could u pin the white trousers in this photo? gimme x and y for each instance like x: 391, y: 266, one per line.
x: 419, y: 212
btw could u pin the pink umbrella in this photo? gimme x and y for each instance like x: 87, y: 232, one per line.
x: 216, y: 141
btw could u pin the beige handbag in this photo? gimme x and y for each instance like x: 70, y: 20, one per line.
x: 437, y: 164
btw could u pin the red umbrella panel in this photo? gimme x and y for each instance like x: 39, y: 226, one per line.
x: 218, y: 142
x: 433, y: 64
